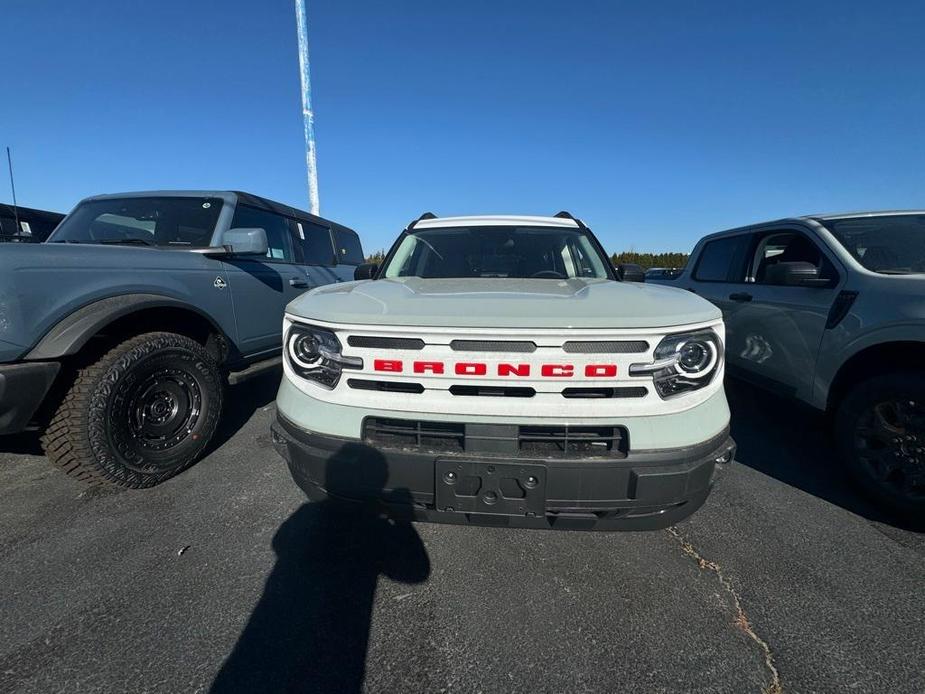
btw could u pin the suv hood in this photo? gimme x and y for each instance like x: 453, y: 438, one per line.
x: 504, y: 303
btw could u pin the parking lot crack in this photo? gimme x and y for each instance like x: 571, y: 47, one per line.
x: 741, y: 620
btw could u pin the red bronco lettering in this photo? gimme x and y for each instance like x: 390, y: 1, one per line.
x: 470, y: 368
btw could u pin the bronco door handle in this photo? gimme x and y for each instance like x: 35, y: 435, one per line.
x: 297, y: 282
x: 740, y: 296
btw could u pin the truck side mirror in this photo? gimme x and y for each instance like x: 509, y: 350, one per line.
x: 366, y: 271
x: 797, y: 273
x: 246, y: 241
x: 630, y: 272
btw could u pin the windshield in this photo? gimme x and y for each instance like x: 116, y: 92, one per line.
x: 166, y: 222
x: 514, y: 252
x: 893, y: 244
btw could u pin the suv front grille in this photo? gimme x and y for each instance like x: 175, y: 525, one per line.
x: 493, y: 391
x: 492, y: 346
x: 519, y: 441
x: 619, y: 392
x: 375, y: 342
x: 605, y: 347
x: 385, y: 386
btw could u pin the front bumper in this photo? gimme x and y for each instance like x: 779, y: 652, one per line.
x: 23, y: 386
x: 645, y: 490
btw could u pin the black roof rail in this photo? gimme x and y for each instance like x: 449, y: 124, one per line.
x: 564, y: 214
x: 426, y: 215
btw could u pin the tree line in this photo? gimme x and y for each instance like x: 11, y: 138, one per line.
x: 646, y: 260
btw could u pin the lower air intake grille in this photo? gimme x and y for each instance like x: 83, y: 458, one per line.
x: 572, y: 442
x: 509, y: 440
x: 407, y: 433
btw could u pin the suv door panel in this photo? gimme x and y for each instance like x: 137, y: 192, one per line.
x: 778, y: 332
x: 260, y: 283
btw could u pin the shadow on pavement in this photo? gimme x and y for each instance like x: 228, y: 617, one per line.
x: 23, y: 443
x: 791, y: 443
x: 241, y: 401
x: 310, y: 628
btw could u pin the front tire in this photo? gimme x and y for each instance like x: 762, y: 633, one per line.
x: 880, y: 429
x: 139, y: 415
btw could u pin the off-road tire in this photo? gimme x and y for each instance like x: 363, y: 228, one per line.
x: 905, y: 387
x: 102, y: 430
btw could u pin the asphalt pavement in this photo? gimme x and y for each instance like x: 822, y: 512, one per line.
x: 224, y: 579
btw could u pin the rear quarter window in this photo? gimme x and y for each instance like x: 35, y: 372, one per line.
x: 316, y: 242
x: 348, y: 247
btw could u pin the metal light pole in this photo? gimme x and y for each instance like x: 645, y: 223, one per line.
x: 309, y: 117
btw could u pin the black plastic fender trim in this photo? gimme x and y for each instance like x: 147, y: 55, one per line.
x: 74, y: 330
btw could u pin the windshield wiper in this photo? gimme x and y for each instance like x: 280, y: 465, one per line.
x: 130, y: 242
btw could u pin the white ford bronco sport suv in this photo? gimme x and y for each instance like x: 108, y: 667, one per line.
x: 495, y: 370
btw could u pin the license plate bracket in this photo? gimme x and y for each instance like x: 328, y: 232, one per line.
x: 503, y: 488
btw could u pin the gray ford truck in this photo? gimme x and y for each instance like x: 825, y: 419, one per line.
x: 830, y: 310
x: 497, y: 370
x: 118, y: 334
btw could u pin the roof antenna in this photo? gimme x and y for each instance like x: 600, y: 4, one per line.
x: 9, y: 162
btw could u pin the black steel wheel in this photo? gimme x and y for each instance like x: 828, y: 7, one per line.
x: 140, y: 414
x: 881, y: 431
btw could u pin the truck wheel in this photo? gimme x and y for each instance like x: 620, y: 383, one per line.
x: 880, y: 428
x: 139, y: 415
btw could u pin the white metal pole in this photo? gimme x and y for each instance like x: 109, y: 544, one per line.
x: 307, y: 114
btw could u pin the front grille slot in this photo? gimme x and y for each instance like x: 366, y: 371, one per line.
x: 404, y: 433
x: 373, y: 342
x: 624, y: 392
x: 572, y: 441
x: 385, y: 386
x: 511, y: 440
x: 492, y: 346
x: 493, y: 391
x: 606, y: 347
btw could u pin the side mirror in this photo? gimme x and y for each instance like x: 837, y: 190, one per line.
x: 366, y: 271
x: 630, y: 272
x: 246, y: 241
x: 797, y: 273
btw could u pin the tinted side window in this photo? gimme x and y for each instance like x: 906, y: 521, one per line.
x: 277, y: 229
x: 7, y: 226
x: 298, y: 253
x: 349, y: 250
x: 721, y: 260
x: 788, y: 247
x: 315, y: 241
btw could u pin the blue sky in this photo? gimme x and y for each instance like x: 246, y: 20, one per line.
x: 655, y: 122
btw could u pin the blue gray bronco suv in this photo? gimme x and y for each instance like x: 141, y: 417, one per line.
x: 118, y: 334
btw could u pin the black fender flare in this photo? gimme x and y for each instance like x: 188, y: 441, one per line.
x: 73, y: 331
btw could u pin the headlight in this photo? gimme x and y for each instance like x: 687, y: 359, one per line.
x: 683, y: 362
x: 315, y: 355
